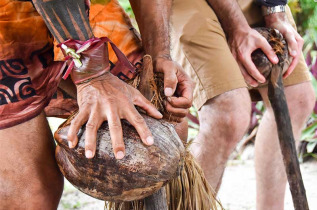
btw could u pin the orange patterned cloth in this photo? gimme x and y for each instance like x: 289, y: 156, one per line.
x: 107, y: 19
x: 28, y: 77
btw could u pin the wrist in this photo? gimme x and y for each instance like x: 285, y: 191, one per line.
x: 274, y: 18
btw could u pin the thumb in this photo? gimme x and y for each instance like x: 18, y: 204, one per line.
x: 170, y: 81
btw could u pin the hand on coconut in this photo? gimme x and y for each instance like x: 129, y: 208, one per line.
x: 107, y: 98
x: 243, y: 43
x: 178, y: 86
x: 295, y: 42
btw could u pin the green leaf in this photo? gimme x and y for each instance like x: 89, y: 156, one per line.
x: 309, y: 132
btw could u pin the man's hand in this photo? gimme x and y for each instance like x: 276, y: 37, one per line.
x: 107, y: 98
x: 242, y: 43
x: 242, y: 39
x: 295, y: 42
x: 176, y: 82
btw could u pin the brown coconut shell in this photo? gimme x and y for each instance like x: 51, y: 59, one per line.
x: 279, y: 45
x: 144, y: 169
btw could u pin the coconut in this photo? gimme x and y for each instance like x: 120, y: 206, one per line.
x: 143, y: 170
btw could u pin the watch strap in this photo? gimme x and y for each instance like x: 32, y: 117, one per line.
x: 272, y: 10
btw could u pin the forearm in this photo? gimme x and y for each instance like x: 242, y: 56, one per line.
x: 153, y: 19
x: 229, y: 15
x: 66, y: 19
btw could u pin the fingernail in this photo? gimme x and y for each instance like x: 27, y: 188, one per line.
x: 120, y: 155
x: 169, y: 99
x: 150, y: 140
x: 88, y: 154
x: 275, y: 59
x: 160, y: 115
x: 168, y: 92
x: 294, y: 52
x: 253, y: 85
x: 70, y: 144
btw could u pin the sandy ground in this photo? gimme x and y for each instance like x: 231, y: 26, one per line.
x: 236, y: 193
x: 238, y: 187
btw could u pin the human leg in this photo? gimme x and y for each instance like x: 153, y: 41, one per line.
x: 29, y: 175
x: 270, y: 173
x: 223, y: 122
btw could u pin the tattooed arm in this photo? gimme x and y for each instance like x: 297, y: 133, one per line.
x: 153, y: 19
x: 102, y: 98
x: 65, y: 19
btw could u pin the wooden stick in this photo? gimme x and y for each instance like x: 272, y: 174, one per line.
x: 286, y: 138
x: 157, y: 201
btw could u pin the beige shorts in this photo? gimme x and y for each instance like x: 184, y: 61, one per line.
x: 200, y: 45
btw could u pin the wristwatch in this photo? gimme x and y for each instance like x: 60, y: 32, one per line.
x: 272, y: 10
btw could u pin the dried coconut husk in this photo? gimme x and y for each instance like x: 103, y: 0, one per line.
x: 279, y: 45
x: 188, y: 191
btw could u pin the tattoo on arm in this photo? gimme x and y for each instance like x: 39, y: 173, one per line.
x: 66, y: 19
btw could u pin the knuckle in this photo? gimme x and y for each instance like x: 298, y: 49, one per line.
x: 115, y: 125
x: 240, y: 54
x: 171, y: 78
x: 91, y: 125
x: 111, y: 101
x: 75, y: 123
x: 139, y: 119
x: 188, y: 104
x: 184, y: 112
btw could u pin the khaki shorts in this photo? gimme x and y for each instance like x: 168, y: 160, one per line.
x: 200, y: 45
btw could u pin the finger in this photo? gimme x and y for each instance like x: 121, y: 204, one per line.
x: 115, y: 129
x: 180, y: 102
x: 178, y: 112
x: 291, y: 67
x: 251, y: 69
x: 170, y: 80
x: 268, y: 51
x: 300, y: 41
x: 140, y: 125
x: 185, y: 91
x: 149, y: 108
x: 248, y: 79
x: 92, y: 126
x: 75, y: 125
x: 292, y: 44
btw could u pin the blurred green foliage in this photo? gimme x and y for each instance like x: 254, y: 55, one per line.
x: 127, y: 7
x: 305, y: 14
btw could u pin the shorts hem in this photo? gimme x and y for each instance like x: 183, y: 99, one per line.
x: 19, y: 121
x: 209, y: 93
